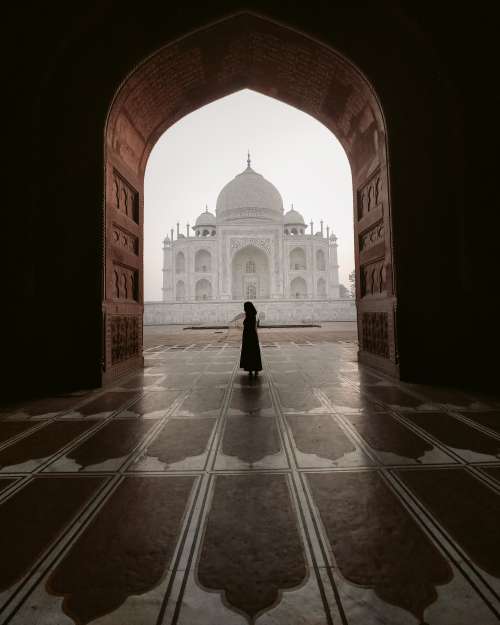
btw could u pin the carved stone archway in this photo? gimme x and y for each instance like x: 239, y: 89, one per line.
x: 249, y: 51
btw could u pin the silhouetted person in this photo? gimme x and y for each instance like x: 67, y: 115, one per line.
x: 250, y: 349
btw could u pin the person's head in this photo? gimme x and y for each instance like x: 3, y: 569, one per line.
x: 249, y: 308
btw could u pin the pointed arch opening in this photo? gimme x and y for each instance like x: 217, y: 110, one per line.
x: 183, y: 76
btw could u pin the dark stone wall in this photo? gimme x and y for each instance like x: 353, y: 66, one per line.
x: 64, y: 64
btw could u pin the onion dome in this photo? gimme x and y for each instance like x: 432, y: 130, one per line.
x: 205, y: 219
x: 293, y: 218
x: 249, y: 195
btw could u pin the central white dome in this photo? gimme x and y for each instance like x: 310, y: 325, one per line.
x: 249, y: 195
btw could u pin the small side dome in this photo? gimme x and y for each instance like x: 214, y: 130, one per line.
x: 205, y: 219
x: 293, y: 218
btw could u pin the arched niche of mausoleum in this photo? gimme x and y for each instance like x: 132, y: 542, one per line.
x: 320, y: 260
x: 180, y: 263
x: 250, y: 274
x: 298, y: 288
x: 203, y: 261
x: 203, y: 289
x: 298, y: 259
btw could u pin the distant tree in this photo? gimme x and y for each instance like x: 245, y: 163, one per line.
x: 352, y: 280
x: 344, y: 292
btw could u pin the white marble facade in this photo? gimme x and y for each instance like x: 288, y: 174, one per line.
x: 249, y: 250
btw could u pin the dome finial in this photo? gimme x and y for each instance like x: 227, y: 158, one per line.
x: 248, y: 159
x: 206, y: 208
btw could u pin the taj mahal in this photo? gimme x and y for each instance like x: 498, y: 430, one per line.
x: 250, y: 250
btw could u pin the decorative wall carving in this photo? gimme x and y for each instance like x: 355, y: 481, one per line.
x: 244, y: 213
x: 125, y: 337
x: 125, y: 197
x: 263, y: 244
x: 127, y: 142
x: 373, y: 278
x: 376, y: 333
x: 371, y: 237
x: 369, y: 195
x: 125, y: 240
x: 125, y: 283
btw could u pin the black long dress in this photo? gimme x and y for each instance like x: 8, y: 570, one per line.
x: 250, y: 349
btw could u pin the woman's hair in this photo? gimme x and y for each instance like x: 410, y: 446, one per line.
x: 249, y: 308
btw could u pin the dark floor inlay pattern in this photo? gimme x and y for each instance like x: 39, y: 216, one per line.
x: 490, y: 419
x: 115, y: 440
x: 299, y: 400
x: 141, y: 380
x: 376, y: 543
x: 202, y: 401
x: 39, y: 407
x: 126, y: 550
x: 180, y: 439
x: 109, y: 402
x: 43, y: 442
x: 252, y: 548
x: 156, y: 401
x: 383, y: 433
x: 394, y: 396
x: 34, y: 516
x: 455, y: 433
x: 251, y: 399
x: 493, y: 472
x: 348, y: 398
x: 320, y: 435
x: 9, y: 429
x: 250, y: 438
x: 467, y: 508
x: 5, y: 483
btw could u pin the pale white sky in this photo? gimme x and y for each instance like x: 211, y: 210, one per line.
x: 198, y: 155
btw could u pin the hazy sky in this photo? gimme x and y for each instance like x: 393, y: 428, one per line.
x: 197, y: 156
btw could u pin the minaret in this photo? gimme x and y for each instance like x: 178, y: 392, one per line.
x: 167, y: 268
x: 321, y: 222
x: 333, y: 291
x: 328, y: 232
x: 312, y: 227
x: 178, y: 231
x: 187, y: 229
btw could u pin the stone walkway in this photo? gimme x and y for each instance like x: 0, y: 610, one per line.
x: 318, y: 493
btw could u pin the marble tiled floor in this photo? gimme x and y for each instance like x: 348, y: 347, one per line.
x: 319, y: 493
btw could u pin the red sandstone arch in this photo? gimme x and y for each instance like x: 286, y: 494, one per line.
x: 247, y: 51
